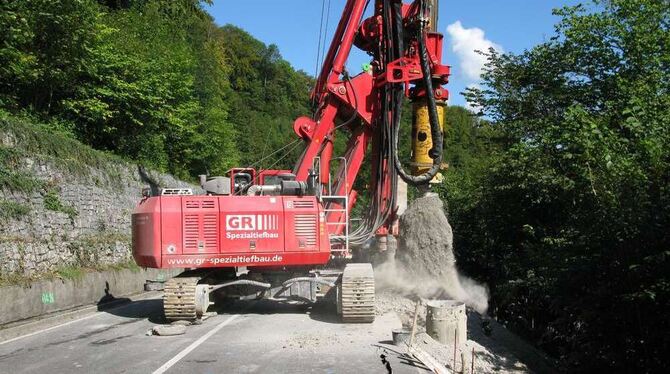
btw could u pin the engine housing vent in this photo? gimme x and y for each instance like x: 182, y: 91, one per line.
x: 306, y: 229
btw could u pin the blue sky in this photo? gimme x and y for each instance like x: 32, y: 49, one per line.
x: 293, y: 25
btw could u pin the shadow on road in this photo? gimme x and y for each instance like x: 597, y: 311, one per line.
x: 325, y: 311
x: 500, y: 342
x: 110, y: 301
x: 322, y: 311
x: 151, y: 309
x: 229, y: 306
x: 389, y: 350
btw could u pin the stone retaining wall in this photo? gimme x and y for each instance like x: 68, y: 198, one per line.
x: 79, y: 215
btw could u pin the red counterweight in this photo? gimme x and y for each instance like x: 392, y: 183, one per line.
x: 229, y: 231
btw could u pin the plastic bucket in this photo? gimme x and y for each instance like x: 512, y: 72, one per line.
x: 400, y: 336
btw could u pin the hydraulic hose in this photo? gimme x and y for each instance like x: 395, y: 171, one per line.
x: 436, y: 135
x: 382, y: 202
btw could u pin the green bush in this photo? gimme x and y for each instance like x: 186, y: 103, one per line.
x: 11, y: 210
x: 52, y: 202
x: 12, y: 179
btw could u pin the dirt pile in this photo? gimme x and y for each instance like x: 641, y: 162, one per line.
x: 426, y: 240
x: 424, y: 265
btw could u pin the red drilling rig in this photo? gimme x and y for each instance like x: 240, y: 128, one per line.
x: 284, y: 234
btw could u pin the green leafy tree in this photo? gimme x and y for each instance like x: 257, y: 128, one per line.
x: 569, y: 223
x: 144, y: 79
x: 266, y: 96
x: 46, y: 45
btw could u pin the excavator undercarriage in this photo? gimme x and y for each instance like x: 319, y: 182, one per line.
x: 188, y: 297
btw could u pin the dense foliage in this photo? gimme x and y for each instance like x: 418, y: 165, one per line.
x: 268, y: 96
x: 153, y: 80
x: 569, y: 220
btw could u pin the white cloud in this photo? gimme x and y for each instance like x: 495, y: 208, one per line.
x: 465, y: 43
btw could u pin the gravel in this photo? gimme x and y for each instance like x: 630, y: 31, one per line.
x: 425, y: 244
x: 496, y: 353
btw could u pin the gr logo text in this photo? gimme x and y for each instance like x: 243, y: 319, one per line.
x: 252, y: 222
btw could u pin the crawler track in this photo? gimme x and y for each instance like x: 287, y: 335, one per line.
x: 357, y: 295
x: 179, y: 300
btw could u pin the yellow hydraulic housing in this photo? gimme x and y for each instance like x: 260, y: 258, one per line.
x: 422, y: 140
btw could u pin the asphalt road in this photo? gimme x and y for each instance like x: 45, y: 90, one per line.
x: 244, y: 337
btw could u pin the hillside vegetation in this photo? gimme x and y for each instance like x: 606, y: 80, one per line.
x: 559, y: 198
x: 64, y: 207
x: 155, y: 81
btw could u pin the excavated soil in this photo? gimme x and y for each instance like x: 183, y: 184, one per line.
x: 424, y: 264
x: 426, y: 239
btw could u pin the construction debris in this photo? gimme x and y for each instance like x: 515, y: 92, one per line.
x: 424, y: 269
x: 500, y: 353
x: 169, y: 330
x: 424, y: 265
x: 425, y: 244
x: 428, y: 360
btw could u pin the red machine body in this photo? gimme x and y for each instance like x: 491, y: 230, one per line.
x: 229, y: 231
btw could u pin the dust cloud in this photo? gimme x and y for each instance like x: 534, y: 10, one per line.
x: 424, y: 264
